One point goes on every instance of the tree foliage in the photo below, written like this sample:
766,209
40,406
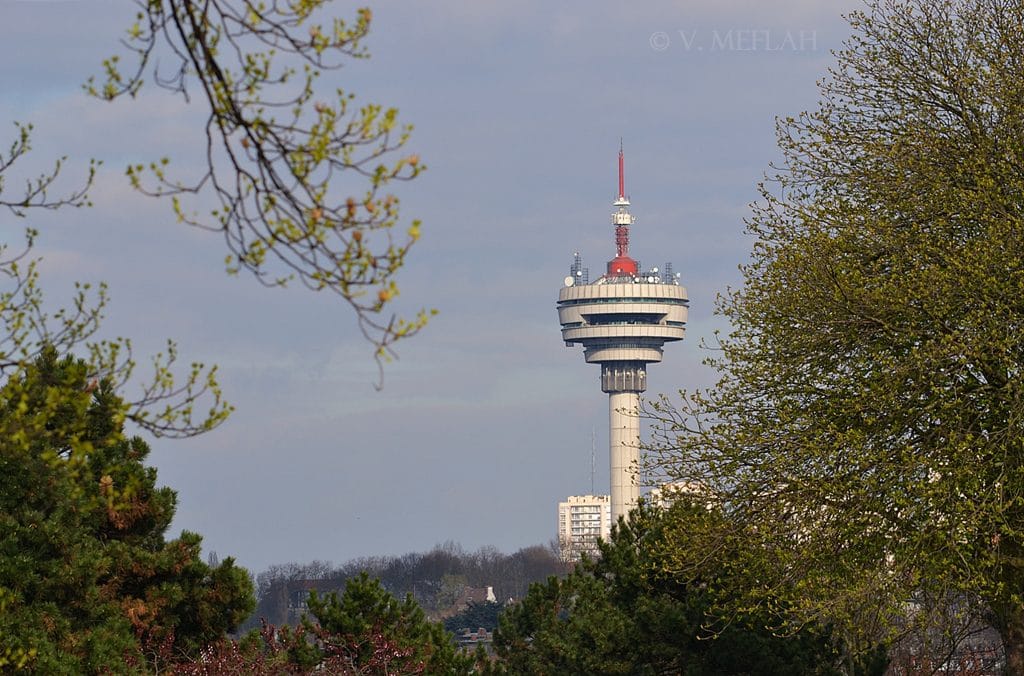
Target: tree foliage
88,582
434,578
868,426
365,630
170,403
364,609
475,616
283,159
623,614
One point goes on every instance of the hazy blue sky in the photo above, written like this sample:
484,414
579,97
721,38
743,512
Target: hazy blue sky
485,422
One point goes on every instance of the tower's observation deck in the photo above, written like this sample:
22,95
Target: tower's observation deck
622,320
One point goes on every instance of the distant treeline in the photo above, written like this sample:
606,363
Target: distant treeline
437,579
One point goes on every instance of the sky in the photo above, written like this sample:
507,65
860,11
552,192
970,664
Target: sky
486,420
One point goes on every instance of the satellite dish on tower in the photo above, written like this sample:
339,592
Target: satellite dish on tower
569,281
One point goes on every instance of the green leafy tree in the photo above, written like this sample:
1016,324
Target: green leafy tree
366,630
171,403
868,426
345,627
450,589
475,616
623,614
281,154
87,580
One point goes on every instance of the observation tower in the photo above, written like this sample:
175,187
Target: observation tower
622,319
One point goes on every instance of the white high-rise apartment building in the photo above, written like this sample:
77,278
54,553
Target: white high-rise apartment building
582,519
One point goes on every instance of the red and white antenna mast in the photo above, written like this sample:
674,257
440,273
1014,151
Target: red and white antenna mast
622,175
622,265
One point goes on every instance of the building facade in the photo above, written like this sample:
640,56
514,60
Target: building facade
582,519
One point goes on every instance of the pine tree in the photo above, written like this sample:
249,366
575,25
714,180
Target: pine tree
88,580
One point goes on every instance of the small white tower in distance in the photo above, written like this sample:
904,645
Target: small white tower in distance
622,320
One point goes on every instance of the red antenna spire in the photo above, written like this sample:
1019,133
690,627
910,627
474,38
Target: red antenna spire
622,173
622,265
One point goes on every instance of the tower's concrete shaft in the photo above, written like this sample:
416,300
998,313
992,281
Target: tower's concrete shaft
623,439
622,325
